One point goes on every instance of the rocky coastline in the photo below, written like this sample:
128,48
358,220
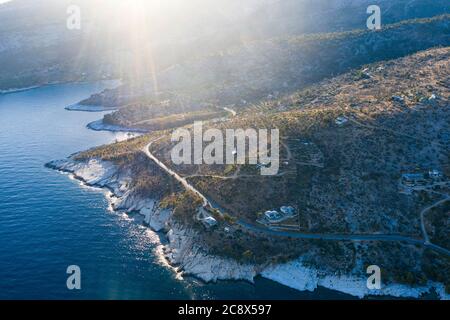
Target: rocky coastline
179,247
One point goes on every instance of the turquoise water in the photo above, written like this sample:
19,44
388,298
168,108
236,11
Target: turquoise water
48,221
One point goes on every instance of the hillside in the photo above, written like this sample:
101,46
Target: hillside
343,179
294,17
277,67
36,47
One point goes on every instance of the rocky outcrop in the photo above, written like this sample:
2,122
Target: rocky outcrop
100,125
93,172
191,259
104,174
88,108
296,275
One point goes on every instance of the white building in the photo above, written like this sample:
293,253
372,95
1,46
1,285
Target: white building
210,222
340,121
272,215
435,174
287,211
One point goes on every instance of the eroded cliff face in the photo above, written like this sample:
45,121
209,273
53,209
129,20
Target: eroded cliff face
182,251
105,174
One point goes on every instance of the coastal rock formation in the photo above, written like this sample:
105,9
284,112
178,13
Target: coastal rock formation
93,172
182,251
295,275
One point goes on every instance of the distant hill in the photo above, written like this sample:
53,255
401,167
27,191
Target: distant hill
36,48
295,17
253,72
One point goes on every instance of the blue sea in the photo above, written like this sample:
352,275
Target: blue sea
49,222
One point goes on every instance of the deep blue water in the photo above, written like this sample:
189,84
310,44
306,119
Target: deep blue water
48,221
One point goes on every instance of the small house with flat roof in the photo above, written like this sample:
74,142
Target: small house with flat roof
210,222
435,174
272,215
287,211
340,121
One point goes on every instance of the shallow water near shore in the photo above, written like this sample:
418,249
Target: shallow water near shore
49,222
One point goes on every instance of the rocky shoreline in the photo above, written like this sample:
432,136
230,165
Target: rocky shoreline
17,90
88,108
181,252
99,125
75,107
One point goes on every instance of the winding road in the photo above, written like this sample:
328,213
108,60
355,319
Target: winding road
422,218
172,173
346,237
318,236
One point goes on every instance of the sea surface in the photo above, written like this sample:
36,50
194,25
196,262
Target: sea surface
49,222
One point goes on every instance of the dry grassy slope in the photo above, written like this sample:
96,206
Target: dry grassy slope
287,62
357,190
